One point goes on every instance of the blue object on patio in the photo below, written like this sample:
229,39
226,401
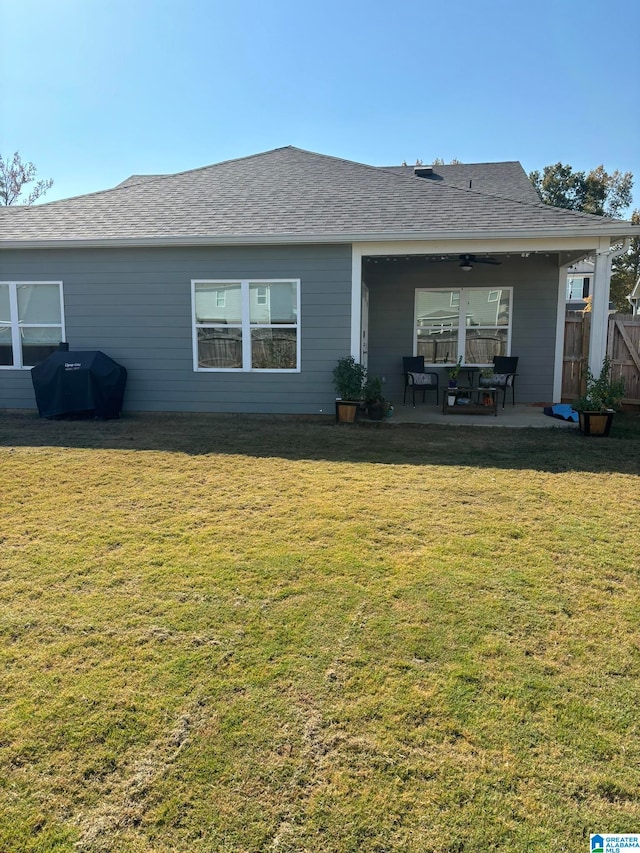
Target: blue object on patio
562,411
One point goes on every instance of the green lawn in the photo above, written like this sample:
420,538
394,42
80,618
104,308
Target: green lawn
228,634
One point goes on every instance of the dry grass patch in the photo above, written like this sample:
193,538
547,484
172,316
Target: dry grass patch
264,635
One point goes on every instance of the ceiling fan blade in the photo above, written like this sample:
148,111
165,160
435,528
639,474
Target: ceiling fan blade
487,261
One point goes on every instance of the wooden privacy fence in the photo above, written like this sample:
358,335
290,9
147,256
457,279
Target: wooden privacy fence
270,348
623,350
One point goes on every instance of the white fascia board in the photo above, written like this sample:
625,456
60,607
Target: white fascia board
561,238
582,245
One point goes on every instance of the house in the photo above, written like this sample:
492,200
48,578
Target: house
579,284
634,299
235,287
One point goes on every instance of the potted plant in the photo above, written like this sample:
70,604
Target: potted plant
454,373
599,402
348,378
374,401
486,382
486,375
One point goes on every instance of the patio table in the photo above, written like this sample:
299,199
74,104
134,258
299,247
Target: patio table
481,401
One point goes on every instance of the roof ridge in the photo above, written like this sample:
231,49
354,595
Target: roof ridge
154,178
448,165
389,181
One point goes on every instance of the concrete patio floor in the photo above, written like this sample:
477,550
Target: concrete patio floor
520,415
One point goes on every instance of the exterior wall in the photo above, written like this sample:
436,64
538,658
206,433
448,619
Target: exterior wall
534,280
135,305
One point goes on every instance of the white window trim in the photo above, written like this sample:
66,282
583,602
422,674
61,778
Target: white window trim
462,317
16,341
245,325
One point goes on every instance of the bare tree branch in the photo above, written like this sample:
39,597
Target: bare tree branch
15,174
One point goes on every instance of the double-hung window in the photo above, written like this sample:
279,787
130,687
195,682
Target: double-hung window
31,321
246,325
472,323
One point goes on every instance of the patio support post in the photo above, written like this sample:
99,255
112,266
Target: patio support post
558,364
356,300
600,303
599,309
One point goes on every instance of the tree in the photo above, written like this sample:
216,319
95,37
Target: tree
438,161
595,192
605,195
14,175
626,270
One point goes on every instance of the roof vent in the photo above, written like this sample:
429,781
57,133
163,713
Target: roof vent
423,171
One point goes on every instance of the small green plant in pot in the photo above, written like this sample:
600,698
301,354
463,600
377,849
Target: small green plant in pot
486,375
348,378
486,381
454,372
374,401
599,402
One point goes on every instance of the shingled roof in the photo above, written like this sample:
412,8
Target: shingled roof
292,195
507,180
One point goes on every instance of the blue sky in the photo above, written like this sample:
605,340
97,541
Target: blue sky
94,90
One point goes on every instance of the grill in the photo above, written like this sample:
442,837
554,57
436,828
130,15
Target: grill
86,383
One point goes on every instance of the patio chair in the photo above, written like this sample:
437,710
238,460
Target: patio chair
504,376
416,378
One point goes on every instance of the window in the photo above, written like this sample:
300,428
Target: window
254,327
578,286
31,321
469,322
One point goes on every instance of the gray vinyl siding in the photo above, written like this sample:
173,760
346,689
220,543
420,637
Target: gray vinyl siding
534,281
135,305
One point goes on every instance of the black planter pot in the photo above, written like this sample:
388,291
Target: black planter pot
376,411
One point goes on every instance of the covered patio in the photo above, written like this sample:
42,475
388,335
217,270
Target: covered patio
473,300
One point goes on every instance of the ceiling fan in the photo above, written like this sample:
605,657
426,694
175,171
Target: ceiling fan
467,261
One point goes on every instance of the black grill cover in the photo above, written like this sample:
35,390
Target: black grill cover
73,383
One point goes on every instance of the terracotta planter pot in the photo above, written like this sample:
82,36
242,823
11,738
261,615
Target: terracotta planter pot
346,411
595,423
